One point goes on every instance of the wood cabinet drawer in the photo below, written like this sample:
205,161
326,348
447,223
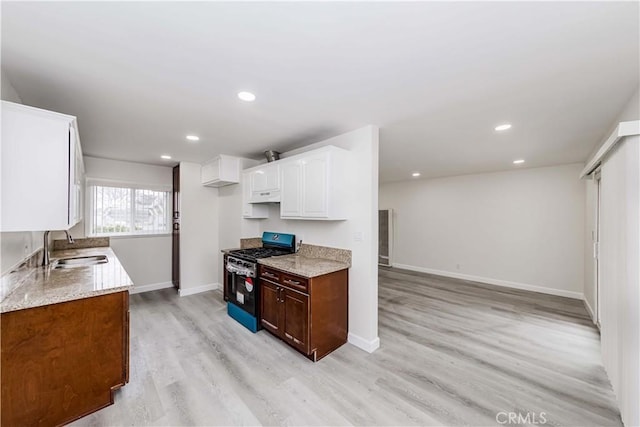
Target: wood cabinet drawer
285,279
269,274
295,282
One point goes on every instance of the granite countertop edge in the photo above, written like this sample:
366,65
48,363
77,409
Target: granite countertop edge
42,287
304,266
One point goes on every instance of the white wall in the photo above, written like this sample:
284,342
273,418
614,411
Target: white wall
620,274
231,226
15,247
521,228
7,91
147,259
363,218
199,237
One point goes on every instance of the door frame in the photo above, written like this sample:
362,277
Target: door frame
596,248
390,237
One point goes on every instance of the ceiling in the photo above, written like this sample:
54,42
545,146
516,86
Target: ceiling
435,77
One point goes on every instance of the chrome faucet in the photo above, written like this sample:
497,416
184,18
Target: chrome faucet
45,247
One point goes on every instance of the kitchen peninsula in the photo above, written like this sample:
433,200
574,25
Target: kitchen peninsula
65,337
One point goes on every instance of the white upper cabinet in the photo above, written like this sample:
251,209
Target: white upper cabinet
42,170
264,181
314,186
220,171
251,210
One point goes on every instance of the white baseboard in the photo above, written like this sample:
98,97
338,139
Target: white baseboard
497,282
151,287
366,345
199,289
590,310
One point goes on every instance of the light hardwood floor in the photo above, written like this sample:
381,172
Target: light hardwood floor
453,353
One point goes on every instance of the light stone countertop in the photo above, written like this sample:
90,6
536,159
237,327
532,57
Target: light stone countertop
45,285
304,266
227,250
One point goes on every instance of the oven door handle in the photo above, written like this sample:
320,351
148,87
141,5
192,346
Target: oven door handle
240,271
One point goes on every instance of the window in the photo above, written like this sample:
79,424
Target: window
127,210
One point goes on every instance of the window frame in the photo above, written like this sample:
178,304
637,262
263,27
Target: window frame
90,183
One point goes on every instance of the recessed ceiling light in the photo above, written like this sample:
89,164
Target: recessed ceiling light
415,174
247,96
193,138
165,157
503,127
518,162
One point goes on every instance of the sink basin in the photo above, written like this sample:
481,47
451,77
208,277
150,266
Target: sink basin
81,261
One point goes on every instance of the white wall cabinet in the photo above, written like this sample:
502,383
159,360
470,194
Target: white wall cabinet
42,170
251,210
220,171
313,185
264,181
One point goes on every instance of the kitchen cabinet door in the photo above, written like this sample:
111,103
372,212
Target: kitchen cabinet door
291,191
270,306
265,184
251,210
295,325
76,202
315,186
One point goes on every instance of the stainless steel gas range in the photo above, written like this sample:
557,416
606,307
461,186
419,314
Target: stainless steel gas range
242,287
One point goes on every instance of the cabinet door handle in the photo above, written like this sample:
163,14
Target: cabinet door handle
277,294
269,275
291,282
265,194
281,292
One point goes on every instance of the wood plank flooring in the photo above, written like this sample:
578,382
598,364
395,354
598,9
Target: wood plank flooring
453,353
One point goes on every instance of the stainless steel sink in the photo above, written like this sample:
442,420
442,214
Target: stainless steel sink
81,261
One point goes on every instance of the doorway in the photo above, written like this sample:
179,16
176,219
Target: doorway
385,236
596,249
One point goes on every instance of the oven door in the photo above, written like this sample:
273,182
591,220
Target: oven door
242,291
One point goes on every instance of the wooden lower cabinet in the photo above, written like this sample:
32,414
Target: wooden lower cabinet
311,315
63,361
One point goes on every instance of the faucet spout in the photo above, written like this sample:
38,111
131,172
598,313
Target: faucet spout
45,249
45,246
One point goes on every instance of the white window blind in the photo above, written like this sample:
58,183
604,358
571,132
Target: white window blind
126,210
